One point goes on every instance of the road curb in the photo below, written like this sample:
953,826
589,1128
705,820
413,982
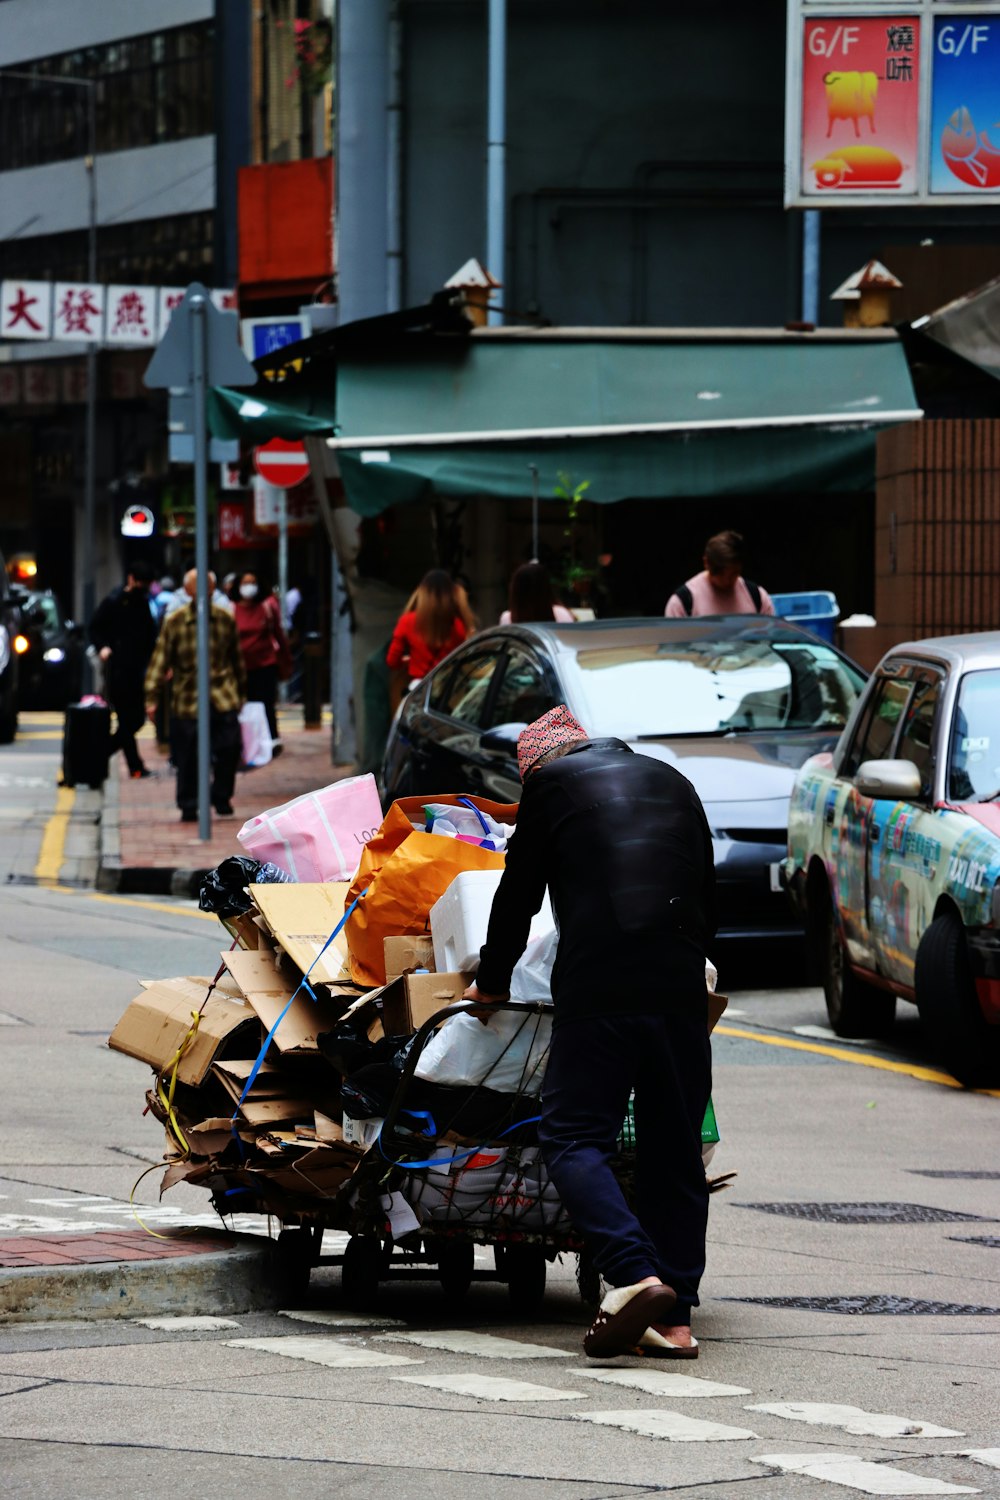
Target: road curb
236,1278
109,852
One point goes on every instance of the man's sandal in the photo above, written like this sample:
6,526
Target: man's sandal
625,1313
654,1345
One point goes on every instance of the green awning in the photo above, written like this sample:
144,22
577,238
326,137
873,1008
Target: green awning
637,413
647,466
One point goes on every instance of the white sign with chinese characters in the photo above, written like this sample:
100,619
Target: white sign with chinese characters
78,314
82,312
131,315
27,310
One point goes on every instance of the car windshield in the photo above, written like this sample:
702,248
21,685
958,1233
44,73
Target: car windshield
725,684
43,609
974,761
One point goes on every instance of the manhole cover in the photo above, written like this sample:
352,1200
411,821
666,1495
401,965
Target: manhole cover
887,1306
957,1176
989,1240
868,1213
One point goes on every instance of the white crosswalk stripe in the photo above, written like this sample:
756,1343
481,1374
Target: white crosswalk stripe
181,1324
674,1426
662,1383
482,1345
332,1319
491,1387
336,1354
853,1419
857,1473
990,1457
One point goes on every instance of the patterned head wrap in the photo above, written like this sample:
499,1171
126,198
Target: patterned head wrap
553,730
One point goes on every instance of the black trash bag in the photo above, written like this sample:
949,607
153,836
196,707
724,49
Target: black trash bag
223,891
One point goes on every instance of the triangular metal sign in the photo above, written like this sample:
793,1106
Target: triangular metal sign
172,366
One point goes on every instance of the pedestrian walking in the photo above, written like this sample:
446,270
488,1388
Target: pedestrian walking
265,647
436,620
123,631
176,655
530,598
622,843
720,588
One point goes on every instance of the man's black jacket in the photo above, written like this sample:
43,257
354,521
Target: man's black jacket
622,843
125,622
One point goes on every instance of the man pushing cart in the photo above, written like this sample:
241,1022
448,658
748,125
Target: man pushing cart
623,845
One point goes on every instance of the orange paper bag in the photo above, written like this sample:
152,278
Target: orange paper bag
404,872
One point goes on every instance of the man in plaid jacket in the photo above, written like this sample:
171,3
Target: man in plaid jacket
176,655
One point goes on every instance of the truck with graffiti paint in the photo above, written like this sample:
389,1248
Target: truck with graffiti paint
894,853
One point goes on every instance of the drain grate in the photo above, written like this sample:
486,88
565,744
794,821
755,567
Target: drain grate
868,1213
874,1305
956,1176
989,1240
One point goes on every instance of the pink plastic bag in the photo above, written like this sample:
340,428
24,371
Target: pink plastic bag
320,835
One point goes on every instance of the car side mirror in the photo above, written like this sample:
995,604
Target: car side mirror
502,739
892,780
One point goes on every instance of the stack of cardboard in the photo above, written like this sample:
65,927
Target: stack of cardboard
281,1141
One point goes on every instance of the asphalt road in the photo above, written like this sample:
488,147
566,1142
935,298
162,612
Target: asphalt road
854,1263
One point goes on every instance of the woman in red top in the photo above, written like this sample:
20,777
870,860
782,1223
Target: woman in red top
264,645
438,621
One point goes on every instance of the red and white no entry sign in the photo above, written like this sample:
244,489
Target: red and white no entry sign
281,463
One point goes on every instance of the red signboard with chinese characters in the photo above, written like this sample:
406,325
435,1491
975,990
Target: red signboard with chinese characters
860,105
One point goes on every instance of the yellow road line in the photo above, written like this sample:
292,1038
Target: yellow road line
150,906
859,1059
50,854
39,734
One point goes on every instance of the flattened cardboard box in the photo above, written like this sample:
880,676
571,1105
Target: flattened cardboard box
157,1021
301,919
268,991
404,954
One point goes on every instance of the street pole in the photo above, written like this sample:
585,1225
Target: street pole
810,265
203,601
282,569
88,583
496,146
90,430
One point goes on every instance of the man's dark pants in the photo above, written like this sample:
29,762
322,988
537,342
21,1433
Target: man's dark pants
593,1066
129,704
225,746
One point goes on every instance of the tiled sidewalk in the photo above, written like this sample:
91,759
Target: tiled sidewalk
33,1251
151,837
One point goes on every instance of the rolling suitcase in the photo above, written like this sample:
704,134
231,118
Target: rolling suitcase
86,744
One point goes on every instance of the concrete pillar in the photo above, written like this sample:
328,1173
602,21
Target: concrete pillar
361,213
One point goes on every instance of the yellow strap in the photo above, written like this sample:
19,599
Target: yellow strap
167,1099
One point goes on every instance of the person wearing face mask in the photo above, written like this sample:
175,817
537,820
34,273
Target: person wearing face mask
123,631
264,645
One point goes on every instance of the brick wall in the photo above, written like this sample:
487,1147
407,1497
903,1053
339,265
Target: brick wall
937,533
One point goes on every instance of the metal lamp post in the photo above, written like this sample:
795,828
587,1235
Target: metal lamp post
90,428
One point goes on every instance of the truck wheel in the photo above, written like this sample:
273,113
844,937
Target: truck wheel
949,1009
361,1272
456,1262
524,1269
854,1008
293,1263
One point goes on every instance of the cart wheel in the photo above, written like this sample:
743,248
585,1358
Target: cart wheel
524,1269
588,1279
293,1263
361,1272
456,1260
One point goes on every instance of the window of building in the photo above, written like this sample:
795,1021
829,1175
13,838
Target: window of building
150,89
150,252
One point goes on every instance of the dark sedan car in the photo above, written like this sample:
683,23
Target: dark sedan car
10,639
737,703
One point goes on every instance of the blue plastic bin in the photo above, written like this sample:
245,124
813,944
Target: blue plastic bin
817,611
